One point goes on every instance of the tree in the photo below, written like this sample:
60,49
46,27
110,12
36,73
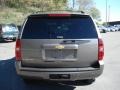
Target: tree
59,4
95,13
85,5
88,7
41,4
2,2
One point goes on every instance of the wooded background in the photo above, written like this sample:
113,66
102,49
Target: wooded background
14,11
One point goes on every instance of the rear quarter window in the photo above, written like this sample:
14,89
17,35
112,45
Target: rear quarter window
59,28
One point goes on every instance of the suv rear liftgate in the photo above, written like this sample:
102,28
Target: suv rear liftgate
59,47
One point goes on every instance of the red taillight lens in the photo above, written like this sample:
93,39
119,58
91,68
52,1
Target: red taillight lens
58,15
100,49
18,50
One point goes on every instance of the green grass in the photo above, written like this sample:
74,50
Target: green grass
15,11
12,15
16,15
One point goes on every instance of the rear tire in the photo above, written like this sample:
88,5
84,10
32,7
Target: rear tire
2,40
86,81
14,39
104,31
89,81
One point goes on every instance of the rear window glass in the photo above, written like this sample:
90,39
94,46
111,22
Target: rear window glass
59,28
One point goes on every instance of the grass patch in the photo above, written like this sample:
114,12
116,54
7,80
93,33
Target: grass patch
15,15
12,15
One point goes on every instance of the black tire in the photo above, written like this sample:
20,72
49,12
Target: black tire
85,81
2,40
89,81
104,31
14,39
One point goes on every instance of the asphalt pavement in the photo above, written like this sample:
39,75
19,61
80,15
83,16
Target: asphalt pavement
109,80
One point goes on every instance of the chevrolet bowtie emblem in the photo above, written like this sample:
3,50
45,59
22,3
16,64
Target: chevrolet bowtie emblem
59,47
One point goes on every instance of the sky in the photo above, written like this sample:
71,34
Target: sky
113,9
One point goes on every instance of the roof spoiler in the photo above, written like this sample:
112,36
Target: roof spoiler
57,11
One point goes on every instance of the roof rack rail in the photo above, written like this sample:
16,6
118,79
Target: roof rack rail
37,12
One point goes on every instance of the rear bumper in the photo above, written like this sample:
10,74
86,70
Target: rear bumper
44,73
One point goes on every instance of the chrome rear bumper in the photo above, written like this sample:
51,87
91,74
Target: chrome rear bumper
74,73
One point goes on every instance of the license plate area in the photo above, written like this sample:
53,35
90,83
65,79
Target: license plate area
59,76
64,54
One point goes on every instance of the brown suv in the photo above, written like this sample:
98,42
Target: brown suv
59,46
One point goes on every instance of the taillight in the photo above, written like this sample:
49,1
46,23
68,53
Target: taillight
58,15
18,50
100,49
